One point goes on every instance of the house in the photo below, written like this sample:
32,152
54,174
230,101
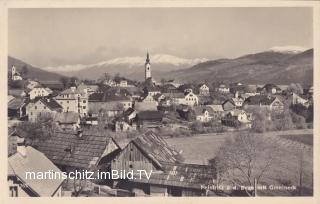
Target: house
228,105
74,99
82,150
203,113
17,108
237,100
159,97
170,177
191,99
28,159
203,90
39,91
68,120
217,112
31,84
271,89
222,88
237,118
301,99
90,89
42,106
126,121
266,102
152,90
149,119
111,103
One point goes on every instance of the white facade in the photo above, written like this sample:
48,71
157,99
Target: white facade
39,92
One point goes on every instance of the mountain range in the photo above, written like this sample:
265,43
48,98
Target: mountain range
280,65
260,68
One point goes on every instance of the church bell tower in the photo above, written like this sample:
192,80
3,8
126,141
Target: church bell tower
147,68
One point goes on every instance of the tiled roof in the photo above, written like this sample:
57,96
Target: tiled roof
174,95
105,97
183,175
50,103
67,117
217,108
150,115
34,161
156,148
259,99
199,110
16,92
67,148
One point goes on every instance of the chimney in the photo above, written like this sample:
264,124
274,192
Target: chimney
22,150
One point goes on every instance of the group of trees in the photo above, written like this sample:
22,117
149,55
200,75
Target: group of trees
42,128
264,120
248,160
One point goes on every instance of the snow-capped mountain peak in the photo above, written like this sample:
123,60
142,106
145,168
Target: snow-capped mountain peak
131,62
288,49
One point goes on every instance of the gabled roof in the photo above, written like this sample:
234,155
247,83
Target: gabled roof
16,92
34,161
156,148
67,148
15,103
105,97
67,117
216,108
50,103
199,110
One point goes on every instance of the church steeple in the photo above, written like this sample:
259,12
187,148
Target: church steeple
148,59
147,67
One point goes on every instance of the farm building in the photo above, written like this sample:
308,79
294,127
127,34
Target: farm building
169,177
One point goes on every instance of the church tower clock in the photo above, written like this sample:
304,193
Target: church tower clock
147,68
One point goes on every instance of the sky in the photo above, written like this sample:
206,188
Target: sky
54,37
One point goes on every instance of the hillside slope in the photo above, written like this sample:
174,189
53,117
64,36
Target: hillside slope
260,68
33,72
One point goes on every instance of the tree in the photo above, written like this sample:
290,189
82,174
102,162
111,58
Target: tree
245,160
64,81
25,71
42,128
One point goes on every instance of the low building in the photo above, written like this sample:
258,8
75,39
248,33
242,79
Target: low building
301,99
150,119
112,104
170,177
223,88
42,107
217,112
68,120
265,102
237,118
203,113
203,90
228,105
17,108
21,184
270,89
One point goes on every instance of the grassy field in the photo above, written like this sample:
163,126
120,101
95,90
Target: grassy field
296,151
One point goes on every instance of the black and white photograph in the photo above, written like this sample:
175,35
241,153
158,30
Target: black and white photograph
160,102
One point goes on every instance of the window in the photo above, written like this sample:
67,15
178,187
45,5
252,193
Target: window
84,107
35,107
44,107
84,101
67,101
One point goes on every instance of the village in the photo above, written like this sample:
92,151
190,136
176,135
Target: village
115,123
